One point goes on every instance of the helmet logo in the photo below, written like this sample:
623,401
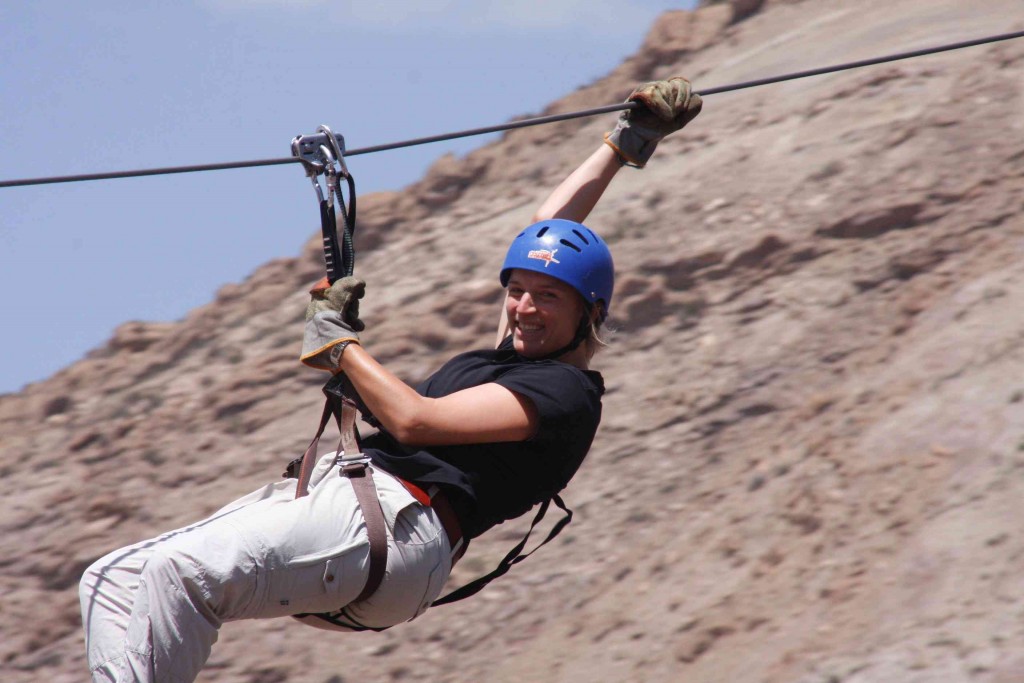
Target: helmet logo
548,257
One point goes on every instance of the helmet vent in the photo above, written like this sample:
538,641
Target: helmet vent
580,235
541,232
570,245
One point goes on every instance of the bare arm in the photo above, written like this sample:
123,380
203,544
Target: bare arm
579,193
484,414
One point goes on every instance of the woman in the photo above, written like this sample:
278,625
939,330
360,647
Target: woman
481,441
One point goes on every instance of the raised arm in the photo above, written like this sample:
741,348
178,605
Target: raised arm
666,107
577,195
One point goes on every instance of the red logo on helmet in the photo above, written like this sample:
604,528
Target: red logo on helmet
548,257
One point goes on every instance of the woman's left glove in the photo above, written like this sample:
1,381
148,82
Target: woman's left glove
665,107
332,322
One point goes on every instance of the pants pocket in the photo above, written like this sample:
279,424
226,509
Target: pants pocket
435,583
424,540
320,582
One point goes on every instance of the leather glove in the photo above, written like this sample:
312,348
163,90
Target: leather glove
332,322
343,296
666,106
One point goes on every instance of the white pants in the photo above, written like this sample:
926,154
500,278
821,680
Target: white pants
151,611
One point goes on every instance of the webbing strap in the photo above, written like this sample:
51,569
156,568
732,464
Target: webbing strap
333,257
347,425
361,476
345,414
348,220
339,257
309,457
356,467
514,556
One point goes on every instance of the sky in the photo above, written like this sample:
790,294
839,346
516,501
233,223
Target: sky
106,86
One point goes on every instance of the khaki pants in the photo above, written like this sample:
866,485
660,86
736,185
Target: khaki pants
151,611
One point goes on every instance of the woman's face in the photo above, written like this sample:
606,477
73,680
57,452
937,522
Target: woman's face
543,312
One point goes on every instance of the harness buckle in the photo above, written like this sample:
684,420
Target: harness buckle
354,465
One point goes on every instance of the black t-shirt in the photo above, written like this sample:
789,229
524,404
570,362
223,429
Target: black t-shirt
490,483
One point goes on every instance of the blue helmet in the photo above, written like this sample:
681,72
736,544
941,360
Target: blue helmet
567,251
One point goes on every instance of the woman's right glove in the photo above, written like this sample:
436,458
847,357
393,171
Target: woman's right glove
666,106
332,322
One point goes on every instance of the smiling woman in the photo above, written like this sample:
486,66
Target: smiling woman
367,538
556,303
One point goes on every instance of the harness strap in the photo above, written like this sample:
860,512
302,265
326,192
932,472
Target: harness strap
333,257
361,476
514,556
339,257
306,463
356,467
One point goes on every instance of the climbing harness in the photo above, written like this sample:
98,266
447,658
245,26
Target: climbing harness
354,465
323,154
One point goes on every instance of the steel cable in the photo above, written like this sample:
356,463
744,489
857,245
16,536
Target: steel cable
513,124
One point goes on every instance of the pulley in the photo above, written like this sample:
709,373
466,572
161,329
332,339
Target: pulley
323,155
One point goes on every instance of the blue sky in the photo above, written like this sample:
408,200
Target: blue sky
100,86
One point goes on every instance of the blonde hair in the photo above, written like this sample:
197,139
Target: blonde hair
593,341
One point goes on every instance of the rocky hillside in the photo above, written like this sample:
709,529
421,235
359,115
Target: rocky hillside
813,448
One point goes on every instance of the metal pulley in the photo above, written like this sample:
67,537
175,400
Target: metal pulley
323,155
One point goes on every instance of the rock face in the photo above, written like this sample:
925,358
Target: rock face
812,462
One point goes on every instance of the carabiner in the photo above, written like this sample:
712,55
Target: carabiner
323,154
337,148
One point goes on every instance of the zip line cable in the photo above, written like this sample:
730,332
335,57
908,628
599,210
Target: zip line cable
514,124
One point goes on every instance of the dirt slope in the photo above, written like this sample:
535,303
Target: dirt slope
811,467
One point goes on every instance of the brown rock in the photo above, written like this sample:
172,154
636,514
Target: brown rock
809,466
